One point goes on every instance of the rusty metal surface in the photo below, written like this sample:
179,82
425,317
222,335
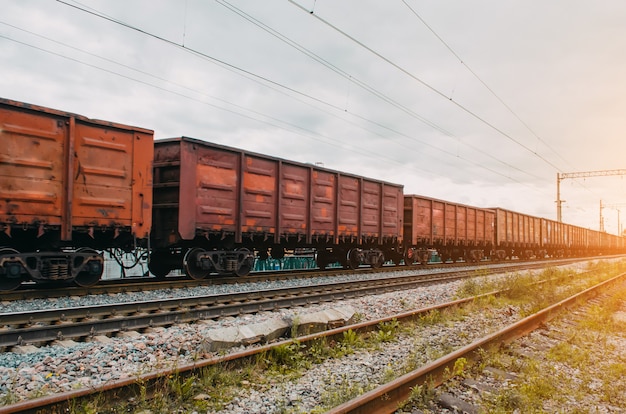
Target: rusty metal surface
432,221
227,190
65,171
323,203
517,228
32,160
513,228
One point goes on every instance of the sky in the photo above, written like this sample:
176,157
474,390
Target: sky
480,103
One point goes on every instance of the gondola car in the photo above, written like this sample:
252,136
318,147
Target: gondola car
456,231
70,187
215,206
517,235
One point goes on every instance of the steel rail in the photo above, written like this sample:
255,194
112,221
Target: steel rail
40,327
111,310
44,326
130,387
139,284
385,398
59,324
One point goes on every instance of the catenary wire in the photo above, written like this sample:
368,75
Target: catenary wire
425,84
238,106
246,72
292,127
353,79
473,73
502,102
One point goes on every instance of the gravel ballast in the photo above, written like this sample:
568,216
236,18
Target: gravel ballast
54,369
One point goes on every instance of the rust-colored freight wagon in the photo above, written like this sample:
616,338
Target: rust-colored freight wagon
609,243
594,247
219,207
577,240
617,244
566,240
68,185
553,238
456,231
518,235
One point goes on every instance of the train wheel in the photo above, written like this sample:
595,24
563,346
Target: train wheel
13,278
158,268
409,256
245,262
396,257
278,253
190,262
354,261
92,275
378,261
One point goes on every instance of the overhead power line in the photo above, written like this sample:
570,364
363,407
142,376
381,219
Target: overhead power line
293,128
422,82
248,73
371,90
330,65
470,70
585,174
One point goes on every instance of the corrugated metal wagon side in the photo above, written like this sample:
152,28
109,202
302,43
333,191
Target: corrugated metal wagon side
455,231
554,238
518,235
577,241
574,241
69,186
593,241
608,243
220,207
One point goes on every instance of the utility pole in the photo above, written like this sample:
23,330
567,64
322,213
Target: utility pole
615,207
563,176
601,218
559,202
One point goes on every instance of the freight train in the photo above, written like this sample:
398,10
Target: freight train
73,187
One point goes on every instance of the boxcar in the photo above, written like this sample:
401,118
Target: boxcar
566,240
608,243
554,240
68,185
456,231
219,207
577,240
517,235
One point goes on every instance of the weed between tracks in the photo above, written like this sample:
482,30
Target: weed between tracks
583,372
216,387
536,291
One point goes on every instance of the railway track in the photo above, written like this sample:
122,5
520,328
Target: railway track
142,284
184,370
44,326
564,348
387,398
